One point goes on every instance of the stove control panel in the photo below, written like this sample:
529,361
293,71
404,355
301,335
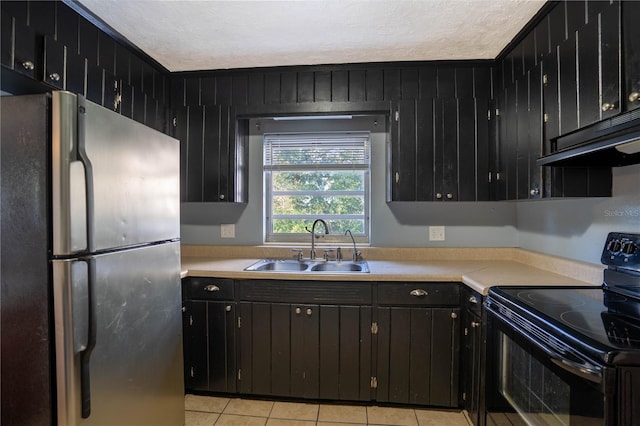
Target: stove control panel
622,250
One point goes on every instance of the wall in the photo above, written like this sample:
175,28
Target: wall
577,228
468,224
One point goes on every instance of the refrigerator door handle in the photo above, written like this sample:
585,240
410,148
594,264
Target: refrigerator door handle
88,173
85,355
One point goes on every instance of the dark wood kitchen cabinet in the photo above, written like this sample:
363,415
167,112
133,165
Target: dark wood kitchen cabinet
305,339
631,43
418,344
473,356
209,334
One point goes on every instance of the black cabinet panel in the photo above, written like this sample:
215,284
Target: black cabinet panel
126,99
256,89
240,90
224,90
192,92
631,43
76,71
42,17
357,86
221,334
424,150
271,88
339,86
207,90
323,86
281,344
610,34
446,149
392,88
428,83
543,48
288,87
305,87
94,83
403,164
535,134
588,66
446,84
194,150
24,44
464,83
139,106
375,85
557,26
522,139
467,150
53,72
67,27
6,40
88,41
195,345
576,14
211,153
568,85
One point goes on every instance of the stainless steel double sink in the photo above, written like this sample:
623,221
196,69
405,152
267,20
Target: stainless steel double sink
309,266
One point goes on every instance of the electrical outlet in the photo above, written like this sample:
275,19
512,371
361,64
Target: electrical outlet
227,230
436,233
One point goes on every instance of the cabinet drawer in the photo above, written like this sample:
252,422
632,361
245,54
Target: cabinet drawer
427,294
319,292
207,288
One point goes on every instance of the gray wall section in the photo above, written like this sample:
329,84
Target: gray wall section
577,228
483,224
571,228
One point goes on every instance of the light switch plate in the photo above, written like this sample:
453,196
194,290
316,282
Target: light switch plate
227,230
436,233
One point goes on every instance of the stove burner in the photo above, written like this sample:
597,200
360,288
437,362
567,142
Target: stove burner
584,321
541,299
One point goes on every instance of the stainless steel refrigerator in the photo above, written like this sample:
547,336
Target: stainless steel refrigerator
90,267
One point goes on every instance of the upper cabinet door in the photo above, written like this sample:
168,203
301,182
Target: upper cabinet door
631,31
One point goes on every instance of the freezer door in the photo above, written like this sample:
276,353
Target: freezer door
116,182
118,328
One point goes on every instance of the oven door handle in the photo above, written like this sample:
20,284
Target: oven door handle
586,371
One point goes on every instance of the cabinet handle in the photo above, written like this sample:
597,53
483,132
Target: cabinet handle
608,107
298,311
634,96
54,76
475,324
28,65
228,308
438,195
309,312
418,292
473,300
212,287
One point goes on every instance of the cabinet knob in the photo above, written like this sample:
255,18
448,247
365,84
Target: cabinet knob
221,196
28,65
212,287
228,308
608,107
438,196
634,96
309,312
535,191
454,315
449,196
475,324
418,292
473,300
397,177
184,309
54,76
298,311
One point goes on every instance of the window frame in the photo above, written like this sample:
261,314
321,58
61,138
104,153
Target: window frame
360,238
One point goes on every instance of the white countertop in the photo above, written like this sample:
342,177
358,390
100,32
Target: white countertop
477,273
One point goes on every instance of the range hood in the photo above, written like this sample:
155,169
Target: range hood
611,142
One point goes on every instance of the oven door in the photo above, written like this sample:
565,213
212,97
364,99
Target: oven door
531,384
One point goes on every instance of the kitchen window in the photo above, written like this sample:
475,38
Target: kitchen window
312,176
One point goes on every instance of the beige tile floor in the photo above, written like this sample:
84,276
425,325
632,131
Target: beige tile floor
208,411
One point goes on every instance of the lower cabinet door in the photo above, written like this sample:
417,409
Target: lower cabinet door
418,356
209,346
305,350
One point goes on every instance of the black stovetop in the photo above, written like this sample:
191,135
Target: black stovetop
578,311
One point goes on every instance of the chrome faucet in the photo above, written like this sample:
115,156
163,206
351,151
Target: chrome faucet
357,256
312,255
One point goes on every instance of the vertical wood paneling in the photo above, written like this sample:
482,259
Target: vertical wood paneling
67,27
557,26
464,82
339,86
122,63
195,149
181,132
42,17
192,91
522,147
272,88
568,83
261,326
322,86
399,355
224,89
446,84
107,52
443,364
588,73
357,86
211,153
576,13
610,58
529,58
467,144
424,161
227,157
256,89
543,47
349,353
240,89
374,85
280,349
330,329
420,356
207,90
305,86
288,87
428,78
391,81
410,83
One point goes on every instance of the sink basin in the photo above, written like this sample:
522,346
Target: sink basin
308,267
278,265
340,267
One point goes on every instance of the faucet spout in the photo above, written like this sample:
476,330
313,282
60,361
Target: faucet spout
356,254
312,255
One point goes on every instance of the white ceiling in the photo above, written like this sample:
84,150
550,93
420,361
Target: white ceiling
186,35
